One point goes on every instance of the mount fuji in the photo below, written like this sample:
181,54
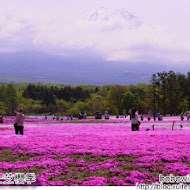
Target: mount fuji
113,18
103,33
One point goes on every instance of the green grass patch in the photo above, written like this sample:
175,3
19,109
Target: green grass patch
90,158
36,170
125,158
7,156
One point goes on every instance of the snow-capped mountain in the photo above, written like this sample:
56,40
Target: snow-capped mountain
115,18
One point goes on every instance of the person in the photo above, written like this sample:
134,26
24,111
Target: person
142,117
106,115
182,118
1,118
85,115
149,117
158,115
134,120
80,116
53,116
19,121
154,116
188,115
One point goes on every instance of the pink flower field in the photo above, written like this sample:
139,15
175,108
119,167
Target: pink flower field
100,153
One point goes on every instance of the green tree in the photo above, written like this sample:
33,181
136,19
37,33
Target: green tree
129,101
2,108
73,111
11,100
115,97
172,91
183,105
62,106
163,93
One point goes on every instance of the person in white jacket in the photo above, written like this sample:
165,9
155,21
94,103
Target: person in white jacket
19,121
134,120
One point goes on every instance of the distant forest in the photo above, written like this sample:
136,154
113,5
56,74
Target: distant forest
167,93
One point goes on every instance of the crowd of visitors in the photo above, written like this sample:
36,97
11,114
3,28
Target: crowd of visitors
134,118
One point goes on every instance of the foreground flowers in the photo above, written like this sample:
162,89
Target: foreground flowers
95,154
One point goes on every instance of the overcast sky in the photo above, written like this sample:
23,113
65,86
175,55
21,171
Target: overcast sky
56,26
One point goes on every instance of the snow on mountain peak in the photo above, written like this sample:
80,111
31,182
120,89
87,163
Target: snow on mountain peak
113,17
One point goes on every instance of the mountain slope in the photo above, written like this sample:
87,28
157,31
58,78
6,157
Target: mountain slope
40,67
113,18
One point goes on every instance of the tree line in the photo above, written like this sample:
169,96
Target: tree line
170,92
49,95
167,93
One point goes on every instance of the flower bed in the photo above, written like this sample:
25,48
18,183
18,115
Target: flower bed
96,154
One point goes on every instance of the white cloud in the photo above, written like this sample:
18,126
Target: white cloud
56,30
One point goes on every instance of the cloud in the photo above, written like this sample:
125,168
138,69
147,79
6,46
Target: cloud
16,33
110,34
